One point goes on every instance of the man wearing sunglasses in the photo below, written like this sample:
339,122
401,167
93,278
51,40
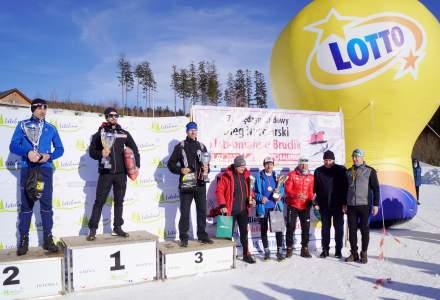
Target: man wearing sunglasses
36,163
115,176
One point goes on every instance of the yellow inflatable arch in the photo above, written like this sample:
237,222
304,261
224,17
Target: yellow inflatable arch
376,61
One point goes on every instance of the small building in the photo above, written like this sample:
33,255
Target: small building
14,97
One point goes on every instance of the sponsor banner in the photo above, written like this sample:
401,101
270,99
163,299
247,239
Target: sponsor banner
152,201
149,200
286,135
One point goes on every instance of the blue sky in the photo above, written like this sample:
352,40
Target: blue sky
69,49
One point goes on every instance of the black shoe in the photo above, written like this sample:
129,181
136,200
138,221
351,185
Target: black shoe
305,252
249,259
353,257
23,246
324,254
363,257
117,231
266,254
338,254
184,243
418,203
49,245
280,255
206,240
92,235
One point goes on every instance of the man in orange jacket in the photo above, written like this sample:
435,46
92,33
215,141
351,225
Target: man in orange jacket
299,193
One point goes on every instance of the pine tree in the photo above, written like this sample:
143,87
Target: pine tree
260,90
125,78
144,78
203,82
151,84
193,83
138,75
174,85
183,87
121,75
229,96
129,81
213,92
240,89
249,98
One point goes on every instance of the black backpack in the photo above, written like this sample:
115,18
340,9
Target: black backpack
34,184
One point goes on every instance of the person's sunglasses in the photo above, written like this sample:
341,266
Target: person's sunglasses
39,105
114,116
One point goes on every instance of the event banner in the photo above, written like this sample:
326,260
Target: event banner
256,133
286,135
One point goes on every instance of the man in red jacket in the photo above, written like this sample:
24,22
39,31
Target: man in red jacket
299,193
232,195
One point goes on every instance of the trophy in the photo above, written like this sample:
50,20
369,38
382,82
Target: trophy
205,158
251,188
33,131
280,180
107,140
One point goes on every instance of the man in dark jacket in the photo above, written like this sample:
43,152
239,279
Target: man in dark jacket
362,186
112,173
330,187
186,162
37,163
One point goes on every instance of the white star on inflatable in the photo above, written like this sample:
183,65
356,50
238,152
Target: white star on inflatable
410,64
332,24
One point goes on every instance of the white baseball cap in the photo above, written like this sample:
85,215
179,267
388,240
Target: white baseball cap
268,159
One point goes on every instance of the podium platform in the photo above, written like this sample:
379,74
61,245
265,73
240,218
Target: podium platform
176,261
110,260
36,274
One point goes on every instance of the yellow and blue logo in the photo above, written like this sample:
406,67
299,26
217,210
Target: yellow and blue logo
8,122
351,50
165,127
8,206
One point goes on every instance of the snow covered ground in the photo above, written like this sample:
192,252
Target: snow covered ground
413,267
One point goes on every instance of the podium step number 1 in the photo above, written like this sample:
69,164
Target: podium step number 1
36,274
110,261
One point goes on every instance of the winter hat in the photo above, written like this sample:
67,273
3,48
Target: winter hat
329,155
36,103
239,161
358,152
109,110
268,159
191,125
303,160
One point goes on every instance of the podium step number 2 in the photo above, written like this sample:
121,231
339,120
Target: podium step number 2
33,275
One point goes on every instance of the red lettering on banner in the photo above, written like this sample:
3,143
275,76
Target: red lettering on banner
289,145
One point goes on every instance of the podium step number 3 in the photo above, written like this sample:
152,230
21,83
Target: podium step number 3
196,258
33,275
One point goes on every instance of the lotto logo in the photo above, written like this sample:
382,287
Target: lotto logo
350,50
